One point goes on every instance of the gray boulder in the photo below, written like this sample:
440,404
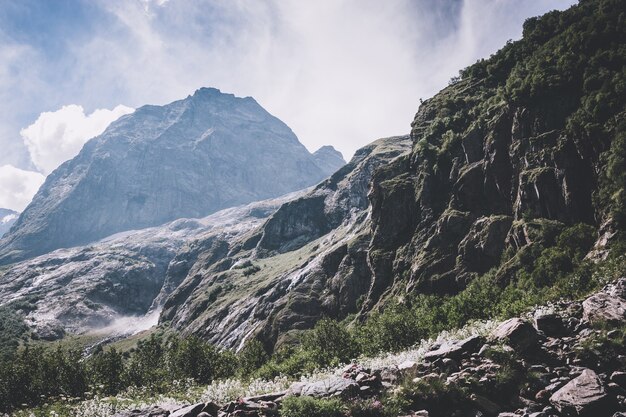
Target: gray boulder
517,333
550,324
604,307
454,349
582,396
330,387
189,411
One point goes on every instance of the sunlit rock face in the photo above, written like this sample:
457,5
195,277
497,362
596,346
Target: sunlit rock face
189,158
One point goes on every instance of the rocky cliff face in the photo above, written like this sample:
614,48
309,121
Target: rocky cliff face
502,153
7,218
189,158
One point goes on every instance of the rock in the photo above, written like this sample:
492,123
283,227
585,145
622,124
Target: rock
550,324
619,378
603,307
189,411
274,396
389,374
211,409
543,396
408,368
330,387
153,411
485,404
449,366
517,333
454,349
583,396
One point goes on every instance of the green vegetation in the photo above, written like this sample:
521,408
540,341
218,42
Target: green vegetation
602,349
311,407
34,375
570,68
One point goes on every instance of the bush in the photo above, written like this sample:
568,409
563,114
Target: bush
430,394
330,344
310,407
252,357
106,368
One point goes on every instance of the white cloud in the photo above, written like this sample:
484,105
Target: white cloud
340,72
18,186
58,136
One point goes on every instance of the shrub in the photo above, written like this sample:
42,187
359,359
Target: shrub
252,357
329,343
106,368
310,407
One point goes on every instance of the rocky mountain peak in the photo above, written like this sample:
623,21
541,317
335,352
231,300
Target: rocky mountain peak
188,158
328,157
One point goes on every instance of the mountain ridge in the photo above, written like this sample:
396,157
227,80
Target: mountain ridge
186,159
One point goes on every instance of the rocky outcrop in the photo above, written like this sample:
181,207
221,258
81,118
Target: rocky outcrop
480,175
7,218
186,159
605,307
517,333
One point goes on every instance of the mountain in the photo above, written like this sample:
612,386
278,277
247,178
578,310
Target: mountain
248,253
189,158
328,158
119,279
7,218
306,261
515,178
512,175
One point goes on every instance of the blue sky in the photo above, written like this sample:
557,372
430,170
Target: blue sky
339,72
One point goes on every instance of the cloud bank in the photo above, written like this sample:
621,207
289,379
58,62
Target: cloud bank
339,72
58,136
18,187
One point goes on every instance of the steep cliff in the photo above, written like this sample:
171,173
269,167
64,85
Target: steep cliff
189,158
530,140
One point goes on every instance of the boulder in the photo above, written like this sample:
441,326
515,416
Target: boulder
485,404
454,349
603,307
619,378
330,387
189,411
517,333
550,324
583,396
153,411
